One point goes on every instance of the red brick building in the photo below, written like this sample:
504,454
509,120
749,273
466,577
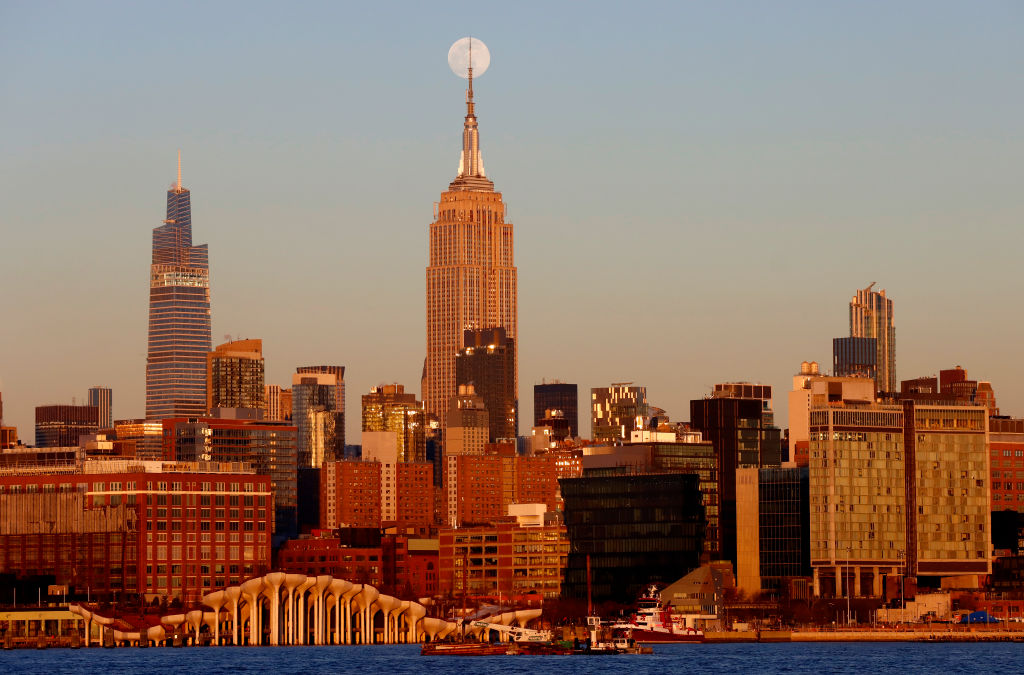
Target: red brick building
503,562
1006,440
352,495
161,530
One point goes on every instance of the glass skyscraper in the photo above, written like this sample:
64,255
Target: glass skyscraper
179,315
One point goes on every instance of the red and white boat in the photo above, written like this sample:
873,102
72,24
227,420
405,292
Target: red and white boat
651,623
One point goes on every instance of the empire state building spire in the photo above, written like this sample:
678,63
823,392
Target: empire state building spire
471,164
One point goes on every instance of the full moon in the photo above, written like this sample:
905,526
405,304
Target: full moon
458,57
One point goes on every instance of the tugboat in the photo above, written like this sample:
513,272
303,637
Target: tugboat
653,624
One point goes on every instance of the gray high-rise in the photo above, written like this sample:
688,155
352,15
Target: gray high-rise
179,314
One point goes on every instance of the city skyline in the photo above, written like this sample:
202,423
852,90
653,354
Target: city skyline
930,145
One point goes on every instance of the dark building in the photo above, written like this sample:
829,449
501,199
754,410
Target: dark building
854,357
773,514
662,457
268,448
635,528
179,314
556,404
739,422
60,426
488,362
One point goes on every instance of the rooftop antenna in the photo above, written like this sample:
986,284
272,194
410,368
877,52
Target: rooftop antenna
179,169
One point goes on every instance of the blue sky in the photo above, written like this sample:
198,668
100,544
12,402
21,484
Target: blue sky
697,189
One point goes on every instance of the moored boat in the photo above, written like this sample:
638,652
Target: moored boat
651,623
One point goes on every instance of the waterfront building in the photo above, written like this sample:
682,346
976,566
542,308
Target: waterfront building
61,425
157,529
267,447
488,362
179,314
617,410
693,456
773,528
471,276
635,529
556,404
812,388
350,494
739,421
505,561
234,376
389,408
103,399
898,490
871,316
318,412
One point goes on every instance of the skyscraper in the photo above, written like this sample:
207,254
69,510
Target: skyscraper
488,362
318,412
103,399
471,278
179,314
234,375
61,425
871,317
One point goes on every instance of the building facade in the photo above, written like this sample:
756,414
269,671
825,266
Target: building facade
897,491
871,316
147,528
773,528
503,561
234,376
617,410
61,425
471,277
389,408
488,362
179,314
103,399
318,412
268,448
739,421
1006,437
635,529
557,401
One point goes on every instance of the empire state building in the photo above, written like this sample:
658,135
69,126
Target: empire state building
471,278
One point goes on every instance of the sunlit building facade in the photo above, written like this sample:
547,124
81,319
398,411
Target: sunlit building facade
871,316
471,277
318,412
234,375
389,408
179,315
617,410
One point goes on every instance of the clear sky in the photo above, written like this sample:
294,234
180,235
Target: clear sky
697,188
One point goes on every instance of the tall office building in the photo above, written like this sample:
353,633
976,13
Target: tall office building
557,400
389,408
488,362
617,410
103,399
471,278
871,317
179,314
739,421
278,402
318,412
234,375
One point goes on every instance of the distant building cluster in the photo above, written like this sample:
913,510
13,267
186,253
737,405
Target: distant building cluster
871,484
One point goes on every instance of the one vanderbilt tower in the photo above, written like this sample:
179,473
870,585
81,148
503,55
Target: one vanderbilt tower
179,314
471,278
